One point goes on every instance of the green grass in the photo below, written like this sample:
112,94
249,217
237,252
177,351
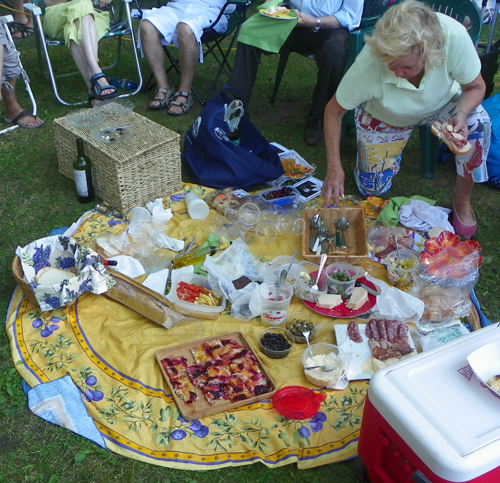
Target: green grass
34,198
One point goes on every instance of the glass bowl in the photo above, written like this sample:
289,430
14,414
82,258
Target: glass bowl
84,118
270,340
114,107
296,323
321,355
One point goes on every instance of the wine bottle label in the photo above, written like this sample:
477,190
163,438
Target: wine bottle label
82,188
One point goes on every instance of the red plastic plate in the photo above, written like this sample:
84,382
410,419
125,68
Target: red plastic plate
341,311
297,402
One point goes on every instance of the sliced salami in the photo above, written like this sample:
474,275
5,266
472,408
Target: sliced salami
402,329
381,329
353,332
368,331
391,327
374,330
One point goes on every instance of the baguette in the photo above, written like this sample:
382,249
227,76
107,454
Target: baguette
455,141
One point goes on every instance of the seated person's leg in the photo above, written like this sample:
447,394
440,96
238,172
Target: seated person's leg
154,52
379,153
244,72
10,69
85,57
22,27
188,59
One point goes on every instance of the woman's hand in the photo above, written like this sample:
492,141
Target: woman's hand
333,186
459,123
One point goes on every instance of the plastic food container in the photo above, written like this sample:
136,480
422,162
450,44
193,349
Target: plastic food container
341,278
298,322
273,333
306,279
195,310
399,270
321,355
274,309
274,268
283,200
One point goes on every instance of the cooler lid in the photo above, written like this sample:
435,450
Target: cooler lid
441,410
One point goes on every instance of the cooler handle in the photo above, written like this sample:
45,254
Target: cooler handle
418,477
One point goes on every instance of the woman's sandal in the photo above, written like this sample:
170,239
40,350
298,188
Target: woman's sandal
164,101
15,27
24,33
185,106
97,88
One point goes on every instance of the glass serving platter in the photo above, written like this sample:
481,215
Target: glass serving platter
114,107
112,133
84,118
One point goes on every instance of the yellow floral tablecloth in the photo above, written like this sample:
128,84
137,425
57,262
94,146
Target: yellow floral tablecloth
109,350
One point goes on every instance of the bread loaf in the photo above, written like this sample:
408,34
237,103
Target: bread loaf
52,276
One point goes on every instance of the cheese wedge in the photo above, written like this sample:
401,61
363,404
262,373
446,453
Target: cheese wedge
329,301
358,298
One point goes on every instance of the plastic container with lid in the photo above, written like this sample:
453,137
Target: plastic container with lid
341,278
431,414
307,278
287,201
195,310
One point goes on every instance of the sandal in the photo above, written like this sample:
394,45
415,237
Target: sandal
97,88
164,101
91,98
15,27
24,33
185,106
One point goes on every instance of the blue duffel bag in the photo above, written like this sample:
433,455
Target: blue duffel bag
492,106
217,161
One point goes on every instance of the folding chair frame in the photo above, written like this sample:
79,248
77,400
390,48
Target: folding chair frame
3,24
42,44
212,42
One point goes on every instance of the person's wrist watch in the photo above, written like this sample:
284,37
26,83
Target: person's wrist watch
318,26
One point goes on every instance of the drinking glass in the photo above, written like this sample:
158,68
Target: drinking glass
377,237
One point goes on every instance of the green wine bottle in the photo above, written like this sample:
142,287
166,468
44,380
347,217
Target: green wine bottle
82,171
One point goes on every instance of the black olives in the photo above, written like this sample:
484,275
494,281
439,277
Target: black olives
276,343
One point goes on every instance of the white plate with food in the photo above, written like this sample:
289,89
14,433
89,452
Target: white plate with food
485,363
362,365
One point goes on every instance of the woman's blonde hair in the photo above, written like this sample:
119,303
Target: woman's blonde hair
405,26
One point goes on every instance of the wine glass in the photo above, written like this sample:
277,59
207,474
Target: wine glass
377,237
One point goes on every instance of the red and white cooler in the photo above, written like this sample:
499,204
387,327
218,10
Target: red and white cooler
430,414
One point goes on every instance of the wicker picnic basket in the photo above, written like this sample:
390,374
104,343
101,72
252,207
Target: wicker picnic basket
18,273
355,235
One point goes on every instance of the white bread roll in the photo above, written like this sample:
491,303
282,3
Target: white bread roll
52,276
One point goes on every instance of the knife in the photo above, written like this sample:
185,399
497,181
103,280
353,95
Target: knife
368,289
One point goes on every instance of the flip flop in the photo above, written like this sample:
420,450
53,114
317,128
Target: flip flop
17,120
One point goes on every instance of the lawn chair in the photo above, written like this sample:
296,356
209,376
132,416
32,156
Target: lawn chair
3,24
118,29
213,44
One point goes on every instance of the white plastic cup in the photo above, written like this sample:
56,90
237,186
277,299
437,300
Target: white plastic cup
138,214
197,208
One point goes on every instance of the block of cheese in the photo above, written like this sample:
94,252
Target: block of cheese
358,298
328,301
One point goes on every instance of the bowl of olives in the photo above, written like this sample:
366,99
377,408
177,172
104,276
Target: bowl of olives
299,322
341,278
276,342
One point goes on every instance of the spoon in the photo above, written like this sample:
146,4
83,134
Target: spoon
343,225
325,368
281,282
322,262
313,225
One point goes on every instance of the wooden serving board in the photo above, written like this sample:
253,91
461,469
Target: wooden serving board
201,408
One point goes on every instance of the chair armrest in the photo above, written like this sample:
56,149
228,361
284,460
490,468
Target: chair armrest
33,8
